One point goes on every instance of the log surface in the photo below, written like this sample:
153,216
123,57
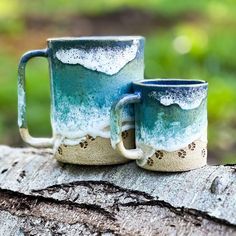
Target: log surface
40,196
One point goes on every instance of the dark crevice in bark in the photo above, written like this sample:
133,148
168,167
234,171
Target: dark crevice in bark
35,225
43,152
20,202
112,188
233,165
189,215
181,211
150,200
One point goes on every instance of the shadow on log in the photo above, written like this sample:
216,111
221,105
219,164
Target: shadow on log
40,196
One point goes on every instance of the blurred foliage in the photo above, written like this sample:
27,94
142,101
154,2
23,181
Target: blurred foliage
195,40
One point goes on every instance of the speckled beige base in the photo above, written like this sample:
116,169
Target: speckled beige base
192,157
96,151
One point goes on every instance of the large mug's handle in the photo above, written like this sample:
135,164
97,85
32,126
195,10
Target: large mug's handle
116,126
22,122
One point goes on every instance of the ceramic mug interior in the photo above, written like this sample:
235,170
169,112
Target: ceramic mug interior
171,82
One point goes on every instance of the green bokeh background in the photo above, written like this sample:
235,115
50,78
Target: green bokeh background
185,39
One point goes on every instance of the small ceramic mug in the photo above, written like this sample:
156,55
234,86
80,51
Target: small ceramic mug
86,75
170,124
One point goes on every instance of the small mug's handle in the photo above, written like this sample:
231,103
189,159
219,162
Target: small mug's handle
22,122
116,126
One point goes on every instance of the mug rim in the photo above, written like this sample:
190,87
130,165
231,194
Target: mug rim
195,83
98,38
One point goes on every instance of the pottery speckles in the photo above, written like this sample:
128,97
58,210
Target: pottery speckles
86,75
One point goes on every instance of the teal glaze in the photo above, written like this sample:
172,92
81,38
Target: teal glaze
170,127
169,114
83,92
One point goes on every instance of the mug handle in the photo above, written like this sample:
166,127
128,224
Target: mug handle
22,121
116,126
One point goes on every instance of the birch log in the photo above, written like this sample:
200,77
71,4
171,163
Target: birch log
40,196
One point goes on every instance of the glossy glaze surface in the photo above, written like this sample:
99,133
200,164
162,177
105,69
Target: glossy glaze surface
84,85
171,114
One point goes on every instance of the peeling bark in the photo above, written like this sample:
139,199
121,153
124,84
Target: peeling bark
39,196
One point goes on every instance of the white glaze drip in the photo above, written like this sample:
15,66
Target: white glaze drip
21,104
82,121
108,60
187,99
171,142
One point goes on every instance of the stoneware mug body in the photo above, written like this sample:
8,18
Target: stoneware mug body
170,124
86,75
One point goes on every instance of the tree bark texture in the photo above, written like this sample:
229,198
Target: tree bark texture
40,196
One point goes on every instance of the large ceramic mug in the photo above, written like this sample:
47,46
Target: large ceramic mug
170,124
86,75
